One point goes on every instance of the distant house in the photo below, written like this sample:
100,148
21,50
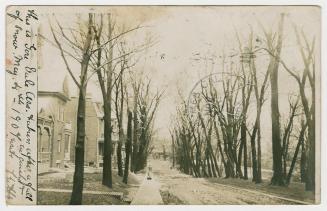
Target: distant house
94,136
57,117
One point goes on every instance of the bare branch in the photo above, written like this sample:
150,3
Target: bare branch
63,56
116,37
66,38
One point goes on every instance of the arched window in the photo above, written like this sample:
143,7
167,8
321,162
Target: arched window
45,144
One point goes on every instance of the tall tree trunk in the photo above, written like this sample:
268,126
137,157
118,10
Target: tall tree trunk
128,146
259,95
120,116
278,177
135,136
245,158
119,159
106,94
246,95
239,160
194,170
214,160
213,167
208,164
198,160
107,149
311,173
310,176
119,147
303,163
254,153
300,141
142,150
77,193
284,164
220,148
259,177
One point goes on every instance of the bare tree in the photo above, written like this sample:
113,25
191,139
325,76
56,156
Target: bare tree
297,149
247,59
221,115
105,79
128,145
119,107
106,63
146,108
278,177
287,132
308,74
83,48
259,93
136,89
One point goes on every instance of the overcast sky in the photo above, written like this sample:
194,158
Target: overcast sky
183,32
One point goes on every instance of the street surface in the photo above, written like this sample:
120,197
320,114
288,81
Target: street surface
199,191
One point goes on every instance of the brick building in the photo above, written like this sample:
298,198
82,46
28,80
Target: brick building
57,113
94,136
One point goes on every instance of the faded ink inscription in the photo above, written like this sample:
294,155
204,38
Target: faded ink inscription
21,106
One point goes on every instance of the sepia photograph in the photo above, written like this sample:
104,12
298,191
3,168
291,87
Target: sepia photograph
163,105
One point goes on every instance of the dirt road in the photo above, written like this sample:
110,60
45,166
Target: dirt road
197,191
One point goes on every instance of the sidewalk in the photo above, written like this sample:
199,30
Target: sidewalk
148,193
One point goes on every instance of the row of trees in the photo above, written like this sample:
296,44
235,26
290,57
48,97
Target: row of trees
215,126
98,44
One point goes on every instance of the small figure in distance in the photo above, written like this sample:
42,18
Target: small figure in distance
149,173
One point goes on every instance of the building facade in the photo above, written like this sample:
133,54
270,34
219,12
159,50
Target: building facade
54,128
57,118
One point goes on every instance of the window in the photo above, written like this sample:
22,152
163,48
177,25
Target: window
45,140
101,149
67,142
59,145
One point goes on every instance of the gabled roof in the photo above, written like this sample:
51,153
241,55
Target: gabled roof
60,95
